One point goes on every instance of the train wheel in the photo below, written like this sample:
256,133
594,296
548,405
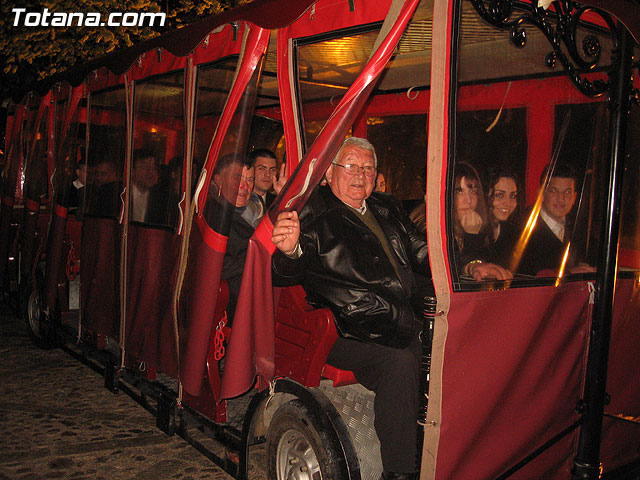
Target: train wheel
38,324
296,449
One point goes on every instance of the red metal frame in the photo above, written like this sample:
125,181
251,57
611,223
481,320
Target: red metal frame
256,357
194,349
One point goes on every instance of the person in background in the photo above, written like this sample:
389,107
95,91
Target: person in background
236,178
476,262
144,176
77,190
104,172
104,189
381,183
81,175
265,164
267,185
471,227
163,209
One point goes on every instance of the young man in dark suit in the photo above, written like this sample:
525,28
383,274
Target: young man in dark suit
266,170
554,226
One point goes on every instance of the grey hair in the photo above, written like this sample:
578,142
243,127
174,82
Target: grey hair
361,143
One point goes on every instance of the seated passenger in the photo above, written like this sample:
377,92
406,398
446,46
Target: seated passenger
381,183
244,219
418,214
265,164
470,227
355,252
554,225
104,189
104,172
231,173
144,176
503,201
165,195
76,191
267,184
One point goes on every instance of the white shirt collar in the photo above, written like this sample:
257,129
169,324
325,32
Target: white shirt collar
362,210
556,227
139,207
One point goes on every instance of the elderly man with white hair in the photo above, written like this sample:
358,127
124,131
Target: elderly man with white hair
357,253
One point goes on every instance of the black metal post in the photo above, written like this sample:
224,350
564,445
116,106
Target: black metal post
586,465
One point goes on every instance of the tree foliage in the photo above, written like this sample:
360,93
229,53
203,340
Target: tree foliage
28,54
184,12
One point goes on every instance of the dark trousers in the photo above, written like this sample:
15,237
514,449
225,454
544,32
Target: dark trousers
394,375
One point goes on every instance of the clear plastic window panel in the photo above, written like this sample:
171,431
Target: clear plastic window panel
106,153
158,153
229,173
629,243
325,71
401,148
327,68
36,171
70,157
214,82
524,189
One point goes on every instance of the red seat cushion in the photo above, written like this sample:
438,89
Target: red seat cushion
304,337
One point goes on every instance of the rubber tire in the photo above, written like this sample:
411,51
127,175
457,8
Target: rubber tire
38,324
296,450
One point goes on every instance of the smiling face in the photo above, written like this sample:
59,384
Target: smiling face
466,196
228,181
235,182
559,197
245,187
504,199
352,189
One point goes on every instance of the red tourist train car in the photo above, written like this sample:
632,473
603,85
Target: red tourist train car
531,378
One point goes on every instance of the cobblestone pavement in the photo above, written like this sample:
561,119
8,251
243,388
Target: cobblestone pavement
59,422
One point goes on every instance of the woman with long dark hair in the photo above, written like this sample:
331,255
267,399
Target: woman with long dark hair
470,219
503,200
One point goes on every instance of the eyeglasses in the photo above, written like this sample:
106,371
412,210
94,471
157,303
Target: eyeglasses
353,169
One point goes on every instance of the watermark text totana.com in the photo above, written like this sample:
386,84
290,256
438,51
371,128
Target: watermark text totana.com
46,18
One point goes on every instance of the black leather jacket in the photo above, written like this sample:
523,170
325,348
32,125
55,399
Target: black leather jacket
344,267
